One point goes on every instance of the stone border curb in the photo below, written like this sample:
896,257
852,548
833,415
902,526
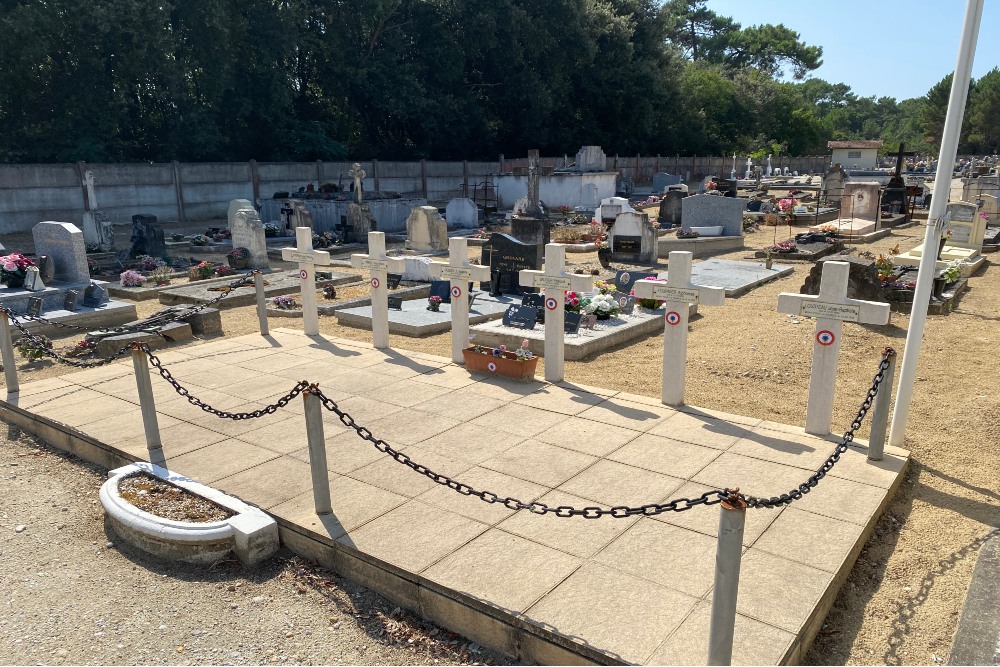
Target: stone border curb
977,639
250,533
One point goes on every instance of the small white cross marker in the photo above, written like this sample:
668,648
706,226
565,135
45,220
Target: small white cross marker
460,272
379,264
677,292
307,259
556,281
831,308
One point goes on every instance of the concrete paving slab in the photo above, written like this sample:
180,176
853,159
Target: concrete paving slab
537,587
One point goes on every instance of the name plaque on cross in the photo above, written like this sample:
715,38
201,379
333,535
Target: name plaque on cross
455,273
374,264
552,282
300,257
676,294
830,311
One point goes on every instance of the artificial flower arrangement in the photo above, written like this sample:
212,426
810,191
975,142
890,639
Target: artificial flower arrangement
161,275
14,267
686,234
784,247
481,233
434,303
201,271
521,354
575,302
222,270
602,305
285,302
271,229
199,240
132,278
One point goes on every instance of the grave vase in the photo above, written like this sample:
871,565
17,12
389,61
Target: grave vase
604,256
939,285
14,280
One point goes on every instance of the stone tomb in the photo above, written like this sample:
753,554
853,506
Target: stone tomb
718,221
63,242
859,210
591,158
965,245
662,180
736,277
506,256
632,239
609,209
833,183
462,212
426,230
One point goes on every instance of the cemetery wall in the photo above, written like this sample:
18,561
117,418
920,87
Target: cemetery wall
31,193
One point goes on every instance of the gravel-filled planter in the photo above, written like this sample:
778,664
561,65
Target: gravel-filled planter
250,533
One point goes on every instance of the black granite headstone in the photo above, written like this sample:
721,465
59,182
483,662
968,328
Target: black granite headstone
392,280
95,296
670,207
571,322
70,302
533,231
147,237
34,306
395,303
441,288
520,317
505,256
625,279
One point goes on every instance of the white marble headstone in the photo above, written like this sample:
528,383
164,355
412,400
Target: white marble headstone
462,212
234,206
248,232
426,230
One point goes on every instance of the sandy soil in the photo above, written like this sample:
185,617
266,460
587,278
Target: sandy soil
901,602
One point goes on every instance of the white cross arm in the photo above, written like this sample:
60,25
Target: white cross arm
320,257
847,310
470,272
565,281
390,264
700,294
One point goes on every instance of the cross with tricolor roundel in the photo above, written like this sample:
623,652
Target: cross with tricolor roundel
307,259
556,281
678,292
831,308
460,272
379,264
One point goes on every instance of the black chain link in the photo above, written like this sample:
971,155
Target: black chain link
132,328
222,414
39,344
711,497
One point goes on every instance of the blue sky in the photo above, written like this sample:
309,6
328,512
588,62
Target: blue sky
864,40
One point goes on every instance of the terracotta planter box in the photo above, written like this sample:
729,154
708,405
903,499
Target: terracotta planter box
506,366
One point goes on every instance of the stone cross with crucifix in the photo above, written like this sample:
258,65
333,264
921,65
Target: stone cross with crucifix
831,308
358,174
677,293
307,259
460,272
379,264
556,281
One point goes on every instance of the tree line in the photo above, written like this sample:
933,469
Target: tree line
221,80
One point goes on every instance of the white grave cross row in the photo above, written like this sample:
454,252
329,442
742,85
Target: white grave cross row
556,281
831,308
677,292
307,259
379,264
460,272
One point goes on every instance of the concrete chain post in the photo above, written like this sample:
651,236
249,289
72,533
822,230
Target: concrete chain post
727,580
7,352
148,408
317,452
258,283
880,413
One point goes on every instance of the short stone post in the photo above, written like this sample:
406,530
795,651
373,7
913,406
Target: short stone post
678,292
258,283
727,580
147,406
460,272
556,281
831,308
317,452
880,412
7,352
307,259
379,264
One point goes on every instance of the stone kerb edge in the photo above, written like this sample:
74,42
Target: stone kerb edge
250,533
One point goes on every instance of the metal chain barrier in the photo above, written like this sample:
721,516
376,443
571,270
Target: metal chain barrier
222,414
247,279
710,497
38,344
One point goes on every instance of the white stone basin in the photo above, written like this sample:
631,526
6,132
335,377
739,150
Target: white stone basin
714,230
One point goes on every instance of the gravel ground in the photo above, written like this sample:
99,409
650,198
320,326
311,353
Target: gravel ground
900,604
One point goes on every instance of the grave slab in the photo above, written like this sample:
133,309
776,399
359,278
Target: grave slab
808,251
279,283
111,314
426,549
736,277
415,320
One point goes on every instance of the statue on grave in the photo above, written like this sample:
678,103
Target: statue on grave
358,174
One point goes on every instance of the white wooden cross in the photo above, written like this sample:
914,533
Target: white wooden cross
556,281
678,292
308,259
379,264
831,308
459,271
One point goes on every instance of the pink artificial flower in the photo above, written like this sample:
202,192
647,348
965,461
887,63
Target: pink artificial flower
524,343
10,266
503,348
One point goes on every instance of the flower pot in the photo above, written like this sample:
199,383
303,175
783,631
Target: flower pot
13,280
602,316
238,262
939,285
434,307
506,365
604,256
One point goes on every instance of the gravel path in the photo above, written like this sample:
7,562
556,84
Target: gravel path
900,604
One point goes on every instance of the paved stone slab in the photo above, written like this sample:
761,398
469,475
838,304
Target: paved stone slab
415,320
278,283
736,277
541,588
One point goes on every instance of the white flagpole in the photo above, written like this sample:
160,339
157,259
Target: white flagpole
942,190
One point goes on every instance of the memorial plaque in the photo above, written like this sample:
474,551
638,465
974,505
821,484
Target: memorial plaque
830,311
70,302
626,302
392,280
395,303
95,296
370,264
962,213
625,279
628,244
675,294
520,317
552,282
455,273
34,306
536,301
959,234
571,322
588,321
